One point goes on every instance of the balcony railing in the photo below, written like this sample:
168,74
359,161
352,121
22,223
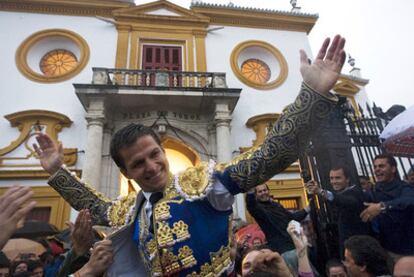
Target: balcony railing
158,78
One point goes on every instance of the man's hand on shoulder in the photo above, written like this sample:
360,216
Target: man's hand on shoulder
372,210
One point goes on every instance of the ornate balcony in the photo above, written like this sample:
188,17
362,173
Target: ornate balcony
125,89
158,78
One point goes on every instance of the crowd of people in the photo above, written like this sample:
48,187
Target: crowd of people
181,225
375,223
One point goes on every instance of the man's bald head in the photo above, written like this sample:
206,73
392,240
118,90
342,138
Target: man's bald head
404,267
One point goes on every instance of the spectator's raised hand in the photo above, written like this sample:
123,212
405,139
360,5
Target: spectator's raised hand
322,74
265,260
100,260
81,233
301,244
49,152
13,208
299,239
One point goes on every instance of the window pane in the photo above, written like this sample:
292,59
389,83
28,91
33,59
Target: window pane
175,56
148,55
39,213
157,55
167,55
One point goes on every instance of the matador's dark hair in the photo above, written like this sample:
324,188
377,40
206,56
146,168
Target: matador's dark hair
127,136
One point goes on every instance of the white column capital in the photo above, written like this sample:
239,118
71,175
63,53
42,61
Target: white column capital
95,120
222,117
96,111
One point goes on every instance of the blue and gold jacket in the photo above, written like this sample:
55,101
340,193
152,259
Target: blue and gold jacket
191,238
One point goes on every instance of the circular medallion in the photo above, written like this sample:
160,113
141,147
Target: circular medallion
256,71
259,64
58,62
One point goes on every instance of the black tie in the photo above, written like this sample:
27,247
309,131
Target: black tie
154,198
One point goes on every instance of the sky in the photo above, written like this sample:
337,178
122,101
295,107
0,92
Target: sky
378,33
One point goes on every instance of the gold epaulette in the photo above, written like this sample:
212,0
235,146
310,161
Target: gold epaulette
121,210
195,181
244,156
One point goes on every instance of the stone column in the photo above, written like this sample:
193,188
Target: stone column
222,120
109,171
93,152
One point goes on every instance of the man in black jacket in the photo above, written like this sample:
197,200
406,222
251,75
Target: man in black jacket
347,199
391,208
273,219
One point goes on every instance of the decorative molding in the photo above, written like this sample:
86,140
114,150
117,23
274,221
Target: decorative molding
200,43
274,51
353,79
64,7
122,47
349,89
136,27
27,44
29,174
47,197
183,40
289,188
220,15
27,122
260,124
139,14
346,88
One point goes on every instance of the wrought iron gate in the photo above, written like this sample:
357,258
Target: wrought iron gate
351,138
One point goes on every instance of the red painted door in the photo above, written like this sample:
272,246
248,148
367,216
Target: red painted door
156,57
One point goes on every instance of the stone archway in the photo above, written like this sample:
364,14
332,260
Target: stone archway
179,154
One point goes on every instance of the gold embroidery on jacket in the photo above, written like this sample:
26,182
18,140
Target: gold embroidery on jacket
185,254
207,270
219,262
118,211
180,230
244,156
164,235
152,248
169,262
162,212
194,180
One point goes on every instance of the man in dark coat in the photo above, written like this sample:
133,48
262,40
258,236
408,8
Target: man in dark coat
391,208
273,219
349,202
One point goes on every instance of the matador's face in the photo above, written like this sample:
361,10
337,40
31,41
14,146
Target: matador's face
146,163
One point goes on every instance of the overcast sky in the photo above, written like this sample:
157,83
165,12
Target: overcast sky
379,36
